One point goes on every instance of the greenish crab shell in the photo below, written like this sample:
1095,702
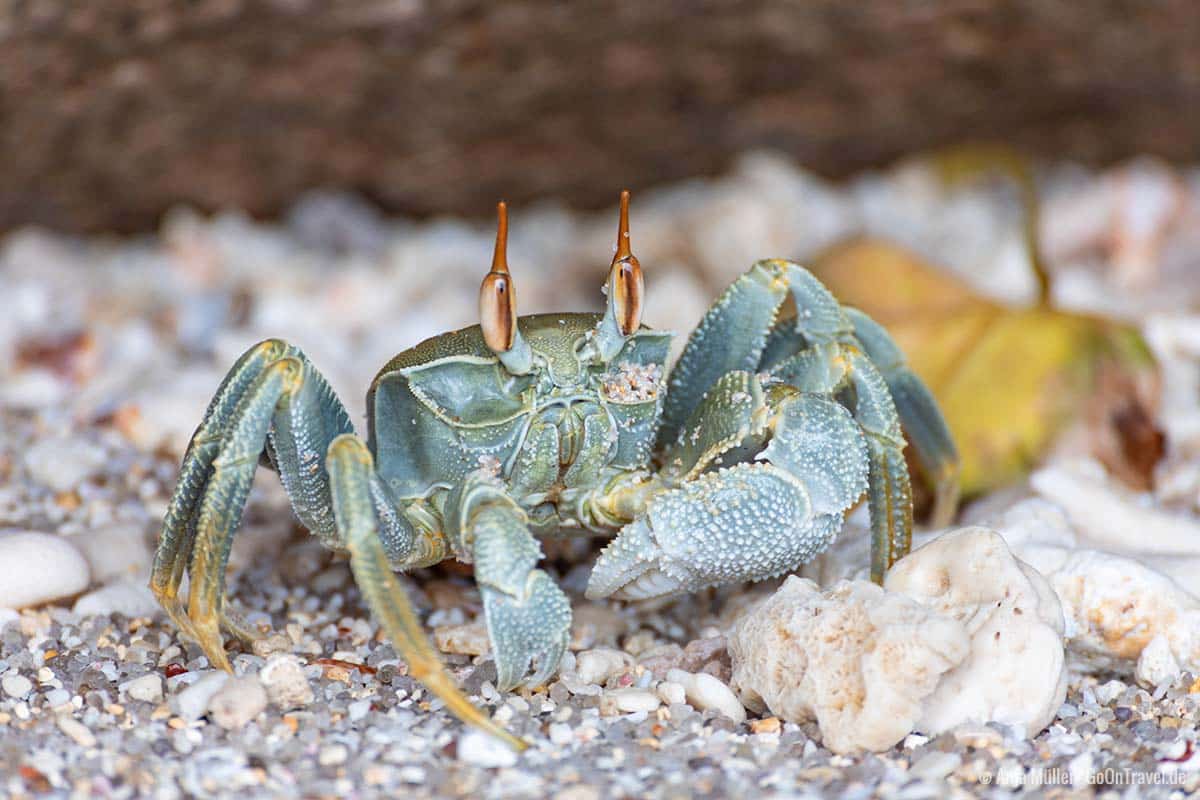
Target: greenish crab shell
447,407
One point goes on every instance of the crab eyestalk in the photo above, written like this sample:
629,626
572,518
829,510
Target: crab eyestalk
626,288
498,306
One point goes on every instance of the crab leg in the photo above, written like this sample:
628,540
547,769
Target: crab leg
225,496
294,419
528,616
923,423
350,469
890,492
179,527
730,337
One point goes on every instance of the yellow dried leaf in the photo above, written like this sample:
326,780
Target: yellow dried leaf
1008,380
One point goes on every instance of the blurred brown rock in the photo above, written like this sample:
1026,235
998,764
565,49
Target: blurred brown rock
112,112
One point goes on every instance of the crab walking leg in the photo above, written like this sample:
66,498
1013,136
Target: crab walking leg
290,410
351,469
889,492
528,616
225,496
301,431
923,423
830,370
179,527
730,337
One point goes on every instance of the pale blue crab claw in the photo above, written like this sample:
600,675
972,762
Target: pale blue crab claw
634,567
747,522
527,632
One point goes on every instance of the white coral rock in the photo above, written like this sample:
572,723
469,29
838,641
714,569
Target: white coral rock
1123,615
1128,613
964,632
858,660
1015,672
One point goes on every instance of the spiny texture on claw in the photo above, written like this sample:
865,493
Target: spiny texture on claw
746,522
479,441
819,439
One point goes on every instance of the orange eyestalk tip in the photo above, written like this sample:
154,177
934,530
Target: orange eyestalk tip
500,256
626,284
623,250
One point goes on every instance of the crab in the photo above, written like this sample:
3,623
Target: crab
783,411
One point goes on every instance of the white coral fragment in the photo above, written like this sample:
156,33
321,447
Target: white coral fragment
963,632
1015,672
856,659
1122,614
1126,612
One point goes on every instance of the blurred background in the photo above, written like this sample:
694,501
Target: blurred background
184,178
115,112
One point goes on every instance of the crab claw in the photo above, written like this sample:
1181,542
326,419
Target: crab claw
634,567
747,522
533,630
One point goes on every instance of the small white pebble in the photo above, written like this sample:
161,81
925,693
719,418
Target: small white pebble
36,568
376,775
62,463
470,639
237,702
632,700
77,731
57,697
17,686
332,755
287,685
707,692
128,597
671,693
561,734
576,686
148,688
935,766
484,750
1109,691
597,666
193,701
269,645
358,709
412,774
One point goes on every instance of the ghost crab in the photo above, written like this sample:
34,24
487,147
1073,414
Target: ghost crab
783,410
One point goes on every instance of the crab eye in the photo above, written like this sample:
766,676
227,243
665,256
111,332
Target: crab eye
497,295
498,312
625,282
